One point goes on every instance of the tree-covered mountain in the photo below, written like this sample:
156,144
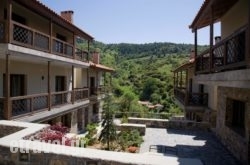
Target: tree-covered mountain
143,72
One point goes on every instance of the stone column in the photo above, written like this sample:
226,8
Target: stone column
73,128
90,113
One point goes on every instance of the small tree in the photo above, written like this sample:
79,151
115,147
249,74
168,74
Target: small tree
108,133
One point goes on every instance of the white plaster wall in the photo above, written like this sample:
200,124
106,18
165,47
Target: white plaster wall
80,78
34,74
236,17
84,78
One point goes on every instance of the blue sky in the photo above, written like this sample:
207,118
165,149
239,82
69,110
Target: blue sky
134,21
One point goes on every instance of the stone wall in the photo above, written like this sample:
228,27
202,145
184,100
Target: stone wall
128,127
157,123
7,130
8,158
171,124
236,143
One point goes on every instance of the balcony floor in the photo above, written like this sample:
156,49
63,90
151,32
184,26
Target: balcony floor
54,112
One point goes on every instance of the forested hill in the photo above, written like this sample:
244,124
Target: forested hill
143,50
143,72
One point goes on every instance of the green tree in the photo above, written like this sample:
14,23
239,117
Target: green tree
149,88
108,133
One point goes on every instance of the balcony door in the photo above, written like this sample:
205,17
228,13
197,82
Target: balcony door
92,85
60,83
17,88
60,86
17,85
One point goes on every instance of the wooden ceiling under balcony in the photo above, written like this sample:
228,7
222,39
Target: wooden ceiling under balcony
211,11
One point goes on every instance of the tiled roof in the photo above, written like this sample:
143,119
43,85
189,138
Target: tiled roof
42,9
101,67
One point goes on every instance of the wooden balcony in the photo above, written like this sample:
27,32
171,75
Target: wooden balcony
228,54
30,104
191,99
31,38
97,90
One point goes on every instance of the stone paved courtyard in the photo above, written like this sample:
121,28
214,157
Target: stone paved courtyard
187,144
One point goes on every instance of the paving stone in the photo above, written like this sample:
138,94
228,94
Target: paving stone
189,144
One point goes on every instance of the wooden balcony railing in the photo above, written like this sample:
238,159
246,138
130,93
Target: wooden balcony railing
1,107
62,48
97,90
81,94
180,95
81,55
61,98
28,104
228,54
191,99
27,37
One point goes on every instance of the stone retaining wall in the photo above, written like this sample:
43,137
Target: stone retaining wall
128,127
158,123
36,152
171,124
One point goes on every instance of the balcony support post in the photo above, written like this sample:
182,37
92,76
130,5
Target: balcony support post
211,41
248,39
186,83
74,46
88,52
73,85
49,86
7,105
9,24
181,80
88,82
51,40
195,49
177,79
97,83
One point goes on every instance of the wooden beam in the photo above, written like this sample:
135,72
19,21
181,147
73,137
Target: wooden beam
49,85
73,84
88,51
211,40
51,40
186,80
88,82
7,105
195,48
248,38
9,20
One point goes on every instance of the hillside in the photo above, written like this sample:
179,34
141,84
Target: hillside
143,72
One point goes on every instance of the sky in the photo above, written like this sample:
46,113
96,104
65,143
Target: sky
134,21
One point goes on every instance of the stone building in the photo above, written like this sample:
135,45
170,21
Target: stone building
215,87
44,76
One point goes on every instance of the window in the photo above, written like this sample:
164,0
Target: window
235,116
